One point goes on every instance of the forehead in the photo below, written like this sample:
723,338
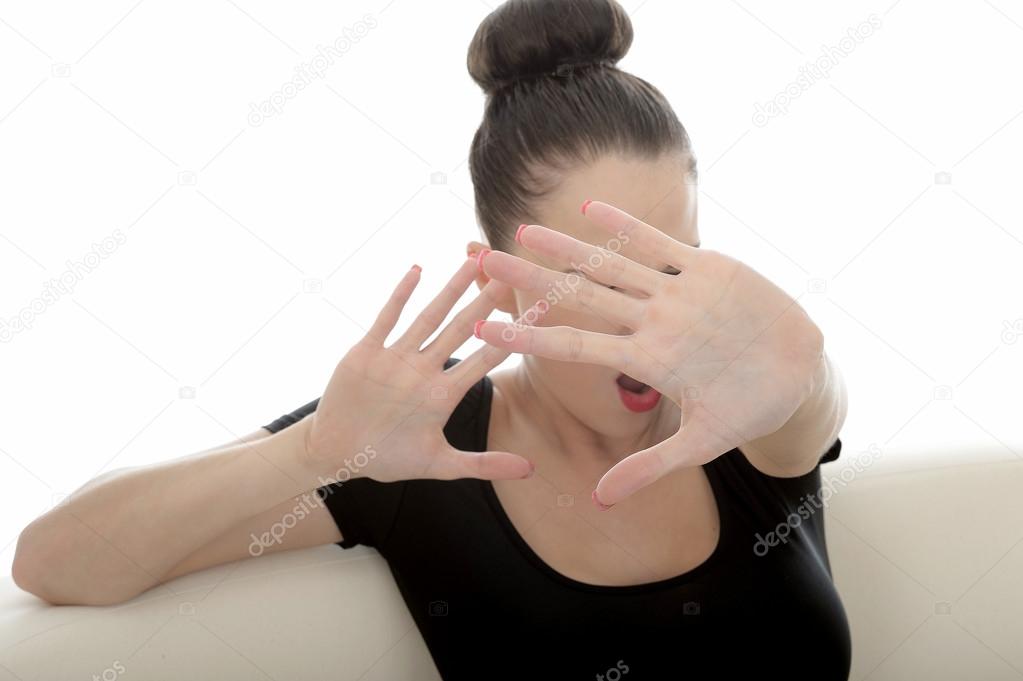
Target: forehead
652,190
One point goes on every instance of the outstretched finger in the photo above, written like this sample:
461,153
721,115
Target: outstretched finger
461,326
391,311
479,363
452,464
571,289
646,239
433,315
564,343
600,263
692,445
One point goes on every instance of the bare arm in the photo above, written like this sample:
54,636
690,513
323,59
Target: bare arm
796,448
134,528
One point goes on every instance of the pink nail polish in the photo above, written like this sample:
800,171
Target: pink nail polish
476,328
586,204
417,268
518,234
479,259
596,501
532,469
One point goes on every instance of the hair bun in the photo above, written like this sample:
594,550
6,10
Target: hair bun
529,37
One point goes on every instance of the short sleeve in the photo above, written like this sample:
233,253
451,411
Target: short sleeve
364,510
765,492
743,463
292,417
761,500
833,451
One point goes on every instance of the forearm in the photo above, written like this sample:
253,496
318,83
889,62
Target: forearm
812,428
118,535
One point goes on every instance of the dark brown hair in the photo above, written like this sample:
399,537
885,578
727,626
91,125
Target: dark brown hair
556,100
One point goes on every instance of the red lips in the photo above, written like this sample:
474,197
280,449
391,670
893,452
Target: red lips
636,396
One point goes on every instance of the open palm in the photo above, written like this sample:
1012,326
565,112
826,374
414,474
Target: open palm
735,352
384,409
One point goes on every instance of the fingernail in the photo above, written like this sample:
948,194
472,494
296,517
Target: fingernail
596,501
476,328
586,203
532,469
479,259
417,268
518,234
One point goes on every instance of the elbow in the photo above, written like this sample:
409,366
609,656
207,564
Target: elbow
28,568
38,570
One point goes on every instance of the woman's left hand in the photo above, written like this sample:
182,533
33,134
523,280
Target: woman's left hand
731,349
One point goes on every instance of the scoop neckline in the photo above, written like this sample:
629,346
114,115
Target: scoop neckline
690,575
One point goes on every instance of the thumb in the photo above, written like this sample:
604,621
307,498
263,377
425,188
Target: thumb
452,464
692,445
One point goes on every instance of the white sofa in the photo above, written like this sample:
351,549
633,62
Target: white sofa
926,549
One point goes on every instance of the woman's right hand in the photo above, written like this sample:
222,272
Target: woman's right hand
383,412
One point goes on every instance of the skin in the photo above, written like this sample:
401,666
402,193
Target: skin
728,348
133,529
581,438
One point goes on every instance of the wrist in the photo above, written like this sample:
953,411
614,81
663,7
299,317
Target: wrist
818,390
292,455
327,463
273,467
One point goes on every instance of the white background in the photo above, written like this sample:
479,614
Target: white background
254,255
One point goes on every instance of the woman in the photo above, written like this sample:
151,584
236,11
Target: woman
688,397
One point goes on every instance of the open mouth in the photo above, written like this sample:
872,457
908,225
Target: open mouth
632,385
635,395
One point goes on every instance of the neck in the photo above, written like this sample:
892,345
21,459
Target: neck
536,410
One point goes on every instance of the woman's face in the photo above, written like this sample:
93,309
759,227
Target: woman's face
655,191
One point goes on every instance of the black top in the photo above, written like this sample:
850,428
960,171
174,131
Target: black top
488,607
